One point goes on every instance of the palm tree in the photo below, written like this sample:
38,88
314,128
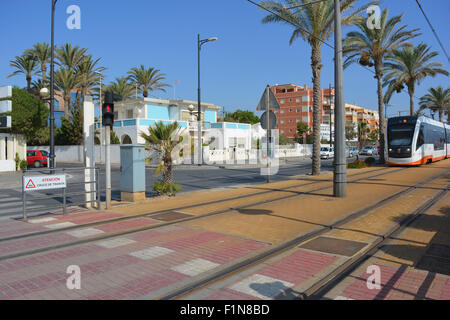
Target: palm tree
437,100
87,72
314,24
25,64
408,66
122,87
161,138
147,79
363,132
369,46
41,51
69,57
66,81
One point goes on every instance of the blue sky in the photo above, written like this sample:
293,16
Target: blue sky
235,69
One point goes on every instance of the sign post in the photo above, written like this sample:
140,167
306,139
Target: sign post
268,101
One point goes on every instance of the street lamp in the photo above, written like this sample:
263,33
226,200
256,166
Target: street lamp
52,90
199,116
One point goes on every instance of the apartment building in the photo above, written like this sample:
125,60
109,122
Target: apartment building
296,105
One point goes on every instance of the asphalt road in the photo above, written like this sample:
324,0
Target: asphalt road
190,179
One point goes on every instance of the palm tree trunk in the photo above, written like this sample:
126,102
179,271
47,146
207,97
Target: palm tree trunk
441,114
67,106
44,75
379,76
316,59
411,99
28,82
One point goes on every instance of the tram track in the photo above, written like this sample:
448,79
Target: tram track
325,284
164,224
180,208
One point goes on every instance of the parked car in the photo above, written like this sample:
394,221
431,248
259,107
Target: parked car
37,158
369,151
326,153
353,152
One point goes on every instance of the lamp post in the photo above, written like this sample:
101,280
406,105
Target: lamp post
199,117
52,90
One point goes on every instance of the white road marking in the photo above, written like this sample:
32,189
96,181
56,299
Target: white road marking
114,243
41,220
85,232
151,253
195,267
60,225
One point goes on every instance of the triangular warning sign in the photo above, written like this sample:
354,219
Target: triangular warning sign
30,185
273,102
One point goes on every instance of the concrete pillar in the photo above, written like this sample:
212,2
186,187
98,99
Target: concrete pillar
2,148
89,132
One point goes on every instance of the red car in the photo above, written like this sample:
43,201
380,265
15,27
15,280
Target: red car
37,158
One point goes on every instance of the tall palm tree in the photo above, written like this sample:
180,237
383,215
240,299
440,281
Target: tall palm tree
147,79
162,138
408,66
69,57
66,81
41,51
122,87
314,24
369,47
25,64
437,100
86,71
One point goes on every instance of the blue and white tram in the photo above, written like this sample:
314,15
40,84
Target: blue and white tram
416,141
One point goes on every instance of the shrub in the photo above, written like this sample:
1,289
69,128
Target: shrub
358,164
17,161
23,164
370,161
170,189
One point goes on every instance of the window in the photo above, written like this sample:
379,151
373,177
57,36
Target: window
282,121
282,101
130,114
297,100
305,98
420,138
282,131
298,110
297,120
31,153
290,120
116,115
282,111
290,100
305,109
290,110
290,130
305,119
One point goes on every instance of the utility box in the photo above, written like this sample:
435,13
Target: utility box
132,173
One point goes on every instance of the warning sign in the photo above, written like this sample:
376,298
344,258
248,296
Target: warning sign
35,183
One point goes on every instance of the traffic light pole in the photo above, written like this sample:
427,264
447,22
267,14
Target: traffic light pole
108,166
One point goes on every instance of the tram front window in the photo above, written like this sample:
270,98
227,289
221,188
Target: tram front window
400,136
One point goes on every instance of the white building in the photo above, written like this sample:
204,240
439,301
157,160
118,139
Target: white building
135,116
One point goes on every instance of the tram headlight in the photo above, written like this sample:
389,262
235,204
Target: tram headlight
408,150
390,149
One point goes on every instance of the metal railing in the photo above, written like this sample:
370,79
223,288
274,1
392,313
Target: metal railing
62,192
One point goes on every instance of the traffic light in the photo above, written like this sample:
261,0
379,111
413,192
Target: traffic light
108,114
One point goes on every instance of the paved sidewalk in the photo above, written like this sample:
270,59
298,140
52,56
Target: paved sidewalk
154,261
414,266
